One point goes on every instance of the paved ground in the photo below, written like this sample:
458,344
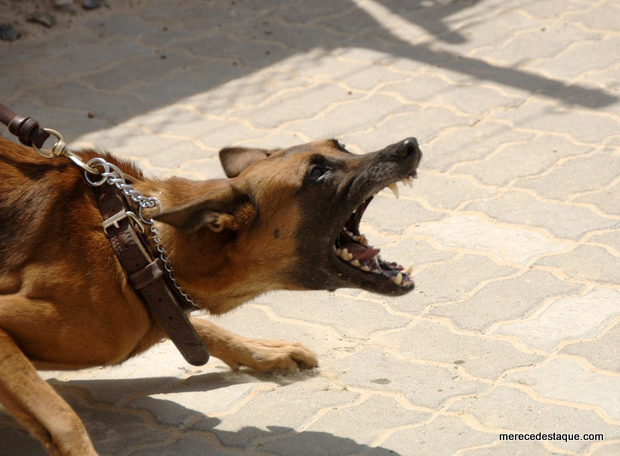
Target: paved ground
513,225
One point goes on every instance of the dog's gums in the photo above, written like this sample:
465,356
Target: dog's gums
353,249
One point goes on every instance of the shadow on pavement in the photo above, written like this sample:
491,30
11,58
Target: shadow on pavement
147,425
140,65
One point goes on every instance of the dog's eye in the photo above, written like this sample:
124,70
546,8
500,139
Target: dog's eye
317,172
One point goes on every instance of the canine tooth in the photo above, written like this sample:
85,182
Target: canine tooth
356,263
394,189
408,269
362,240
398,279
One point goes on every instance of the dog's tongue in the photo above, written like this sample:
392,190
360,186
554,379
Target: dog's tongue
360,252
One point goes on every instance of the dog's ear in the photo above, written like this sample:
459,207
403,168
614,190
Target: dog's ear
221,209
235,159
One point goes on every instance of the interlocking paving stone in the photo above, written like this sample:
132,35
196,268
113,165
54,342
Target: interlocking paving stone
422,384
346,117
370,419
587,262
479,357
521,159
354,74
423,122
295,105
601,17
536,43
573,175
586,126
381,212
303,401
465,272
602,352
607,200
422,439
349,317
511,410
575,59
610,449
569,318
462,145
512,244
566,221
449,192
568,381
467,99
511,298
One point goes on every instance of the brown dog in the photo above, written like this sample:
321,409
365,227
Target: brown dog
285,219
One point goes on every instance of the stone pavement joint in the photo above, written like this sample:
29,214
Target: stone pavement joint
513,225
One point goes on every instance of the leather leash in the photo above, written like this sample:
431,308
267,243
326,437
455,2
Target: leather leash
146,274
25,128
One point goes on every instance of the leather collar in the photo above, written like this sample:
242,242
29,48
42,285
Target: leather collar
147,274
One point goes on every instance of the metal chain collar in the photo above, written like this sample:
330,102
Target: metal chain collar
112,175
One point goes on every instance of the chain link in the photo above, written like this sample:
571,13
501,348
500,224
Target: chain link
112,175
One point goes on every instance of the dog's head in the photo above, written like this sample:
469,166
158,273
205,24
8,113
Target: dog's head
292,216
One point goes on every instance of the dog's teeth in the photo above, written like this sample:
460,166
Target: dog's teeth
394,189
355,263
345,255
398,279
405,181
362,240
410,181
408,269
365,268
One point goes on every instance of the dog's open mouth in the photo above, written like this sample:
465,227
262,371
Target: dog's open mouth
352,247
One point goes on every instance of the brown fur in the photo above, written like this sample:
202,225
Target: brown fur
65,302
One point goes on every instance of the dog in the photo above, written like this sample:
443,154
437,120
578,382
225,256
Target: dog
282,219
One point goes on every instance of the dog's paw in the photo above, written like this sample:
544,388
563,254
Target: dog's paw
275,355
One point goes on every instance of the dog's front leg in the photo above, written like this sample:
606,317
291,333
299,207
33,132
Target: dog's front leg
35,404
261,355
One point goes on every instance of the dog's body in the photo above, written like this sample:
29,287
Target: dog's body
283,220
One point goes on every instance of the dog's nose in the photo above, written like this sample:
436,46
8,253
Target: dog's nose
407,148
